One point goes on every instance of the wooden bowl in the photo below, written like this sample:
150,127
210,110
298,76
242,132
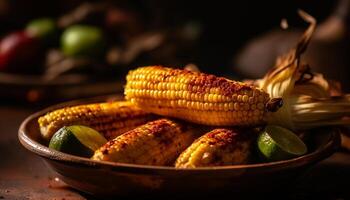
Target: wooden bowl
106,178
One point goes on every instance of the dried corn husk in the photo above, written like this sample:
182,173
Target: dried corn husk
307,97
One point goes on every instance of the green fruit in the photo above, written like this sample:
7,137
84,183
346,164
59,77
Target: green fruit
82,40
77,140
44,28
277,143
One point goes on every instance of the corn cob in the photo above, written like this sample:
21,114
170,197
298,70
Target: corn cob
197,97
110,119
219,147
156,143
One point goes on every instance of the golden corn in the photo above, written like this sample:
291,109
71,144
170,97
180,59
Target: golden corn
156,143
110,119
217,148
196,97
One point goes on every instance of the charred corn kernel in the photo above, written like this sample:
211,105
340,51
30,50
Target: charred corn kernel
110,119
219,147
156,143
194,96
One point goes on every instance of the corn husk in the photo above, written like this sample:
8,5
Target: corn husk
307,97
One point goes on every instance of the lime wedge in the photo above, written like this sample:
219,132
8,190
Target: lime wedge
77,140
277,143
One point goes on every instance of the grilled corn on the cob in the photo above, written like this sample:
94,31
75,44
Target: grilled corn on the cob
217,148
110,119
156,143
197,97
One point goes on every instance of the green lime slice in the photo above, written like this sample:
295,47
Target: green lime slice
77,140
277,143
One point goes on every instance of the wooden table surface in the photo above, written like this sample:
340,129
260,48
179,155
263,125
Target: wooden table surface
23,175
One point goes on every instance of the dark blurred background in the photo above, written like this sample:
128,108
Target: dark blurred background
226,26
238,41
